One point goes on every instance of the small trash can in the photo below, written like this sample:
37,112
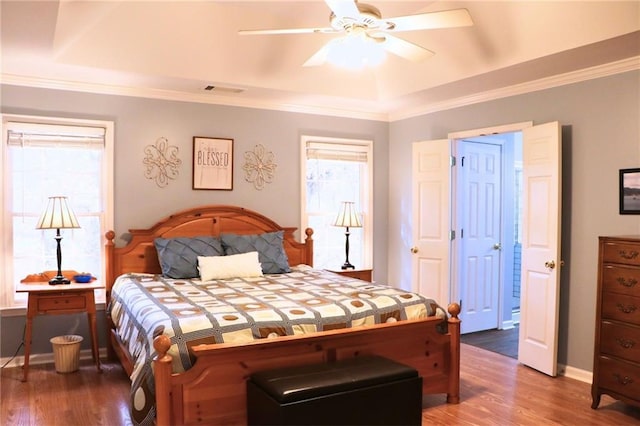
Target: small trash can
66,353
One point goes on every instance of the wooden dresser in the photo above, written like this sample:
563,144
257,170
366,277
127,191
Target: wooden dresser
616,360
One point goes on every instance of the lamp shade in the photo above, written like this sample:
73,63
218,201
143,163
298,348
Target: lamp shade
57,215
347,217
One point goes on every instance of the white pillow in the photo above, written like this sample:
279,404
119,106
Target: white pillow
243,265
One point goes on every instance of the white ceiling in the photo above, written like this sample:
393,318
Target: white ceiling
174,49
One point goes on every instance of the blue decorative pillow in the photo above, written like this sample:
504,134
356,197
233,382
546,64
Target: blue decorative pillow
270,248
179,256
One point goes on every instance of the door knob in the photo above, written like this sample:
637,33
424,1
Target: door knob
550,264
414,250
497,246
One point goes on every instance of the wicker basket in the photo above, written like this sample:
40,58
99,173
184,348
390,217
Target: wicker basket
66,353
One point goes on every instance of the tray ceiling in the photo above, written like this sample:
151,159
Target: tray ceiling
175,49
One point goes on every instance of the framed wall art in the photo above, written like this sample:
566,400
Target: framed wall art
630,191
212,163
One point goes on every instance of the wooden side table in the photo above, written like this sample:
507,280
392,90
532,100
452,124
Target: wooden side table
361,274
45,299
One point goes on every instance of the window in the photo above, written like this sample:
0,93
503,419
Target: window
337,170
45,157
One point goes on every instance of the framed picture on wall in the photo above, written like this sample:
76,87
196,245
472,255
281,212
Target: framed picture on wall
630,191
212,163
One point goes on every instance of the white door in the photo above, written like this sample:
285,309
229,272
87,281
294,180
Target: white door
479,168
430,262
538,342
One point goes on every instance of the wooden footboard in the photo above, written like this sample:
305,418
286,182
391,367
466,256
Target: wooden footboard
213,391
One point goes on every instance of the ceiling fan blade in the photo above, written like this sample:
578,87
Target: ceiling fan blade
324,30
320,57
405,49
431,20
342,8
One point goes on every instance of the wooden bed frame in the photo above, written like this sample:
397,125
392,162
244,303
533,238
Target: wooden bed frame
213,391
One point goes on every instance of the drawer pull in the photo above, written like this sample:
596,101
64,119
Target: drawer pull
626,380
623,282
630,255
625,343
626,309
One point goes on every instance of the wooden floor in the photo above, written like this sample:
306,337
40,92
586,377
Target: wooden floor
495,390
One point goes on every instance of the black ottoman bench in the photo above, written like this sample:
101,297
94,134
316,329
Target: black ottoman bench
357,391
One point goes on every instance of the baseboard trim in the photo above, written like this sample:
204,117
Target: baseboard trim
575,373
46,358
508,325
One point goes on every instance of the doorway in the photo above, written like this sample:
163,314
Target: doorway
488,227
488,216
435,246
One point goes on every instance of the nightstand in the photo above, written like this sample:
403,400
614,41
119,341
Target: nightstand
45,299
361,274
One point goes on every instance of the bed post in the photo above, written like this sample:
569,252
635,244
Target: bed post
308,246
108,283
162,376
108,277
453,396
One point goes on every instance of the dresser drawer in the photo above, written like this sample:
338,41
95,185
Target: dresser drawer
619,252
621,307
620,376
61,303
620,340
621,279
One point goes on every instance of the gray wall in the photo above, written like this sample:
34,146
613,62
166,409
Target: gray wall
601,134
139,202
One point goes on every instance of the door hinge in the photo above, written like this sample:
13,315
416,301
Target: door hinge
452,161
452,235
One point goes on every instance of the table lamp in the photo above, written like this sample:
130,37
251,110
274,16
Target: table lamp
58,216
347,218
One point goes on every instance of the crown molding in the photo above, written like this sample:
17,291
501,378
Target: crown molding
612,68
617,67
172,95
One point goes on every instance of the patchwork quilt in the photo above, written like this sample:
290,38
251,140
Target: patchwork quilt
193,312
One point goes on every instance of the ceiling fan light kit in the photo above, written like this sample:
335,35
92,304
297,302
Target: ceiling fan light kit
367,37
356,53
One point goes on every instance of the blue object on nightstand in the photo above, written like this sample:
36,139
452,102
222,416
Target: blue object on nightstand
82,278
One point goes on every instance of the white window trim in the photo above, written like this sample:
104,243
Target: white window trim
367,210
7,292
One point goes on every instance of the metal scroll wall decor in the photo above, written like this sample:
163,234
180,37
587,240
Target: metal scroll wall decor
259,167
161,162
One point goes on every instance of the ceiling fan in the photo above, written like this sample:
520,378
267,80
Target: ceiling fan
363,22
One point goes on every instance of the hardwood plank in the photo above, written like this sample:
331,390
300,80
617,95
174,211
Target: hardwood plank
85,397
495,390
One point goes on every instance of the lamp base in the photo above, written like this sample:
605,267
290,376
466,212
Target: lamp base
347,265
59,279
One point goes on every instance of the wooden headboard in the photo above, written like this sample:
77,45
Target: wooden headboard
139,255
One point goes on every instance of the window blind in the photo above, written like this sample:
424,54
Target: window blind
41,135
338,152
